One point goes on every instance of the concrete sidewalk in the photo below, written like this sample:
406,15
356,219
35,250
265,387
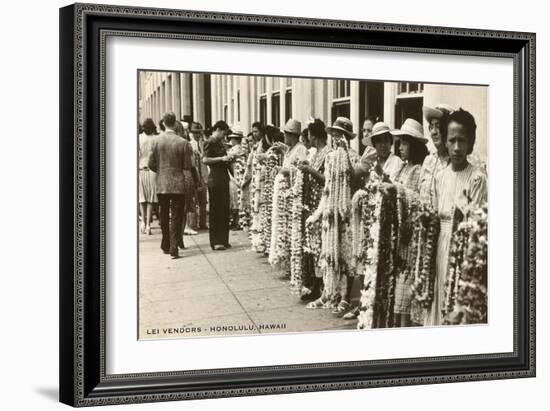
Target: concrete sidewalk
208,292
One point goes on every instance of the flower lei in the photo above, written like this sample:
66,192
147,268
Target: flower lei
297,231
334,210
239,169
269,169
387,248
466,287
279,250
312,198
422,258
367,250
256,185
393,234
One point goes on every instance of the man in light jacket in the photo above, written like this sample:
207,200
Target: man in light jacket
171,155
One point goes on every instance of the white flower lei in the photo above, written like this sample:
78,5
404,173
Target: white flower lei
369,257
297,231
334,209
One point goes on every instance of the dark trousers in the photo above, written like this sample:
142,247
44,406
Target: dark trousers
200,195
172,207
218,192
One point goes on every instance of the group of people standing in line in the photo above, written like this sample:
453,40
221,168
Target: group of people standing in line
245,177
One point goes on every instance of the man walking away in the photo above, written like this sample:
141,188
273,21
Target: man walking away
171,155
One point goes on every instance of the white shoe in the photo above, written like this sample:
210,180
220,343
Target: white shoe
189,231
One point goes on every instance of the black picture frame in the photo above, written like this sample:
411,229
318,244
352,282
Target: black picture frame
83,30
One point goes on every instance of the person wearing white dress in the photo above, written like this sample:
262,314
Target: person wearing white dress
459,188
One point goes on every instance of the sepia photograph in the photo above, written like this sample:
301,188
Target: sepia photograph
292,205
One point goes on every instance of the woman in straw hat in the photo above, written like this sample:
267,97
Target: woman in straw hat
337,278
411,145
413,150
386,162
459,188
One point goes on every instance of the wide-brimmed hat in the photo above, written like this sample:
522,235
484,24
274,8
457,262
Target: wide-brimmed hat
235,132
411,128
379,129
196,127
344,125
293,126
437,111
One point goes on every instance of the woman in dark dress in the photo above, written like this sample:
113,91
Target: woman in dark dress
215,156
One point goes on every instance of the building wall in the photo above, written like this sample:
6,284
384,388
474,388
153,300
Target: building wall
237,100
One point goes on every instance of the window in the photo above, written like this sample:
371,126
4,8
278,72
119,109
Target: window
340,109
288,105
408,108
341,89
276,109
408,88
225,113
341,99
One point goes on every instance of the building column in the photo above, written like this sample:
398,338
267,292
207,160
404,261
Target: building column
214,96
390,95
302,99
245,122
198,98
321,105
157,105
235,88
176,93
162,98
282,100
228,81
167,91
269,90
253,100
354,113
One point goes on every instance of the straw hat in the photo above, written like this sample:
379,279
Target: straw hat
344,125
379,129
293,126
436,112
196,127
236,132
411,128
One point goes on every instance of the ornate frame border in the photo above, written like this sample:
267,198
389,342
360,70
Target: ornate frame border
82,53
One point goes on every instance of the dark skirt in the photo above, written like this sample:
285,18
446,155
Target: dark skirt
218,192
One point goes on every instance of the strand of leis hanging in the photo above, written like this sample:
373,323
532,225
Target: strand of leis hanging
297,232
469,292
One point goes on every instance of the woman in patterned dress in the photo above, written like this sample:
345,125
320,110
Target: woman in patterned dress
459,188
412,148
314,179
147,178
